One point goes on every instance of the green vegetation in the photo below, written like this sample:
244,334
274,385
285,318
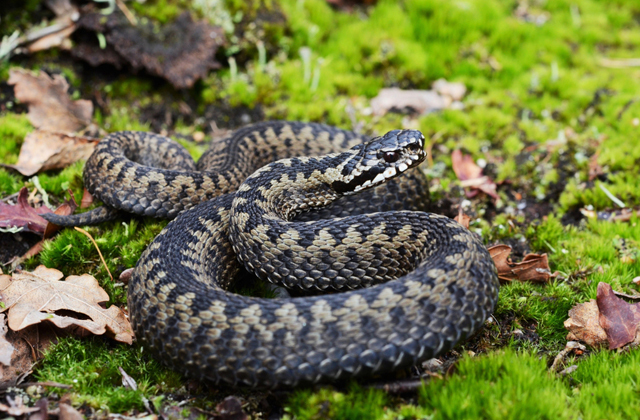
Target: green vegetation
556,126
91,367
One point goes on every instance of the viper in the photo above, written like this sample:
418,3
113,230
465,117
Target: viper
414,283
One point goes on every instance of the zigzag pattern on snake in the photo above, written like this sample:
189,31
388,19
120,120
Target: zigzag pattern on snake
431,282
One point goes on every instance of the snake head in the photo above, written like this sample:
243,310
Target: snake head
379,160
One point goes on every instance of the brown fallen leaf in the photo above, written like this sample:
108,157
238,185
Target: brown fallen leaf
607,319
67,412
43,405
419,102
31,298
618,318
532,268
50,107
470,176
462,218
43,150
87,199
584,324
22,215
29,346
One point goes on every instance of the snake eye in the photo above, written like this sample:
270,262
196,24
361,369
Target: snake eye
391,157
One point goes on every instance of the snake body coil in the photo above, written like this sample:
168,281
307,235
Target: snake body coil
432,283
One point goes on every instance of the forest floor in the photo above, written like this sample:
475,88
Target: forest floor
550,113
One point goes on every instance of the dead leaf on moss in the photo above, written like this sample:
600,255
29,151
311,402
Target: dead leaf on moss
584,325
618,318
462,218
532,268
22,215
43,150
50,107
607,319
470,176
67,412
31,298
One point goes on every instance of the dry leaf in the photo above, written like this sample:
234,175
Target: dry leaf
533,267
31,298
407,101
470,175
29,345
22,215
618,318
67,412
87,199
607,319
50,107
43,150
583,324
43,405
453,90
127,380
462,218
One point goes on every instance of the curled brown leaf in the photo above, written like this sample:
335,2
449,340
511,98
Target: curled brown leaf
470,176
532,268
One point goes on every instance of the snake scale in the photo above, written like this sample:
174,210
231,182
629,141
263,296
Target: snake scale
421,282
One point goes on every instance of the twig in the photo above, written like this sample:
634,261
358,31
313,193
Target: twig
127,13
399,387
84,232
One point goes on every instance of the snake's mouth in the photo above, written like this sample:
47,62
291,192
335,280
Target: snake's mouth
364,181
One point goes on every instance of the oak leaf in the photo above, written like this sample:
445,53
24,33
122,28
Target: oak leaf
43,150
31,298
50,107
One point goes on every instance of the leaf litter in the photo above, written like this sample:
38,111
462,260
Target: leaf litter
54,145
607,319
33,297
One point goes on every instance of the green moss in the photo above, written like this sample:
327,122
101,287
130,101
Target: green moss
120,243
504,385
91,365
356,404
161,10
13,129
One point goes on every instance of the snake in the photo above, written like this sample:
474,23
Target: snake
305,206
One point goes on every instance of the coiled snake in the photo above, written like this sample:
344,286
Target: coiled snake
431,282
